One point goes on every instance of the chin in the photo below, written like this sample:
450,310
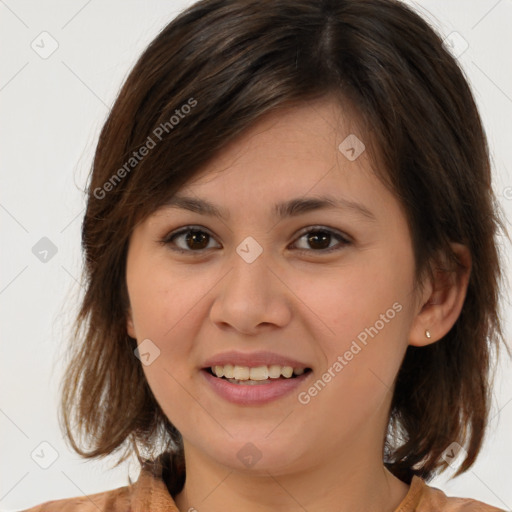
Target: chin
254,454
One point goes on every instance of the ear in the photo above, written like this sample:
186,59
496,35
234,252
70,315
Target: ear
130,329
442,301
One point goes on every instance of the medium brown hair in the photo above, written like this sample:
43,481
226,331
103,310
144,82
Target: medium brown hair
231,61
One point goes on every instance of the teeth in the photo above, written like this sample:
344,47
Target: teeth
287,371
258,373
274,371
241,373
229,371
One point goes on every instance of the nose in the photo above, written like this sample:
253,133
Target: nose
251,297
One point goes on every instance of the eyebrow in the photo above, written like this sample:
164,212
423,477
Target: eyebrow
290,208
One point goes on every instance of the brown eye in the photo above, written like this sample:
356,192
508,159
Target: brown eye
196,239
190,240
319,240
193,240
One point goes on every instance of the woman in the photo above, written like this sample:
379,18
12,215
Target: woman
292,268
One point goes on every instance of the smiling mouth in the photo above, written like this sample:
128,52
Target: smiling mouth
257,375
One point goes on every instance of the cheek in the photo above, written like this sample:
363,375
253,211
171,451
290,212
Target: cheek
159,298
346,301
363,356
169,307
361,316
163,311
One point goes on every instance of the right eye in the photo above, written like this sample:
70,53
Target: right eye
193,240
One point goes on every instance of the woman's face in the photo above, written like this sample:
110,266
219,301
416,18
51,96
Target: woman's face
325,289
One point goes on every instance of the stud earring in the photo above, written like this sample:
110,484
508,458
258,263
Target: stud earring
427,333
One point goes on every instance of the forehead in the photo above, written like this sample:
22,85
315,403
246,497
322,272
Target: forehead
300,151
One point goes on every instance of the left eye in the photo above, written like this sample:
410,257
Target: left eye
196,240
319,237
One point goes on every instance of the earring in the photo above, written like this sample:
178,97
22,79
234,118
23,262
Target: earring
427,333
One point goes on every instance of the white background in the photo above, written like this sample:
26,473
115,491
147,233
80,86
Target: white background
52,110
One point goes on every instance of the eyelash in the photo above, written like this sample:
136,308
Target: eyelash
169,239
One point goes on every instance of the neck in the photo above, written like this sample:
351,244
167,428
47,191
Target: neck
363,485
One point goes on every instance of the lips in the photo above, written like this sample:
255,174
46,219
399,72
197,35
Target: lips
257,393
241,389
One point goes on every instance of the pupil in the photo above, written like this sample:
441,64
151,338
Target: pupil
194,236
319,235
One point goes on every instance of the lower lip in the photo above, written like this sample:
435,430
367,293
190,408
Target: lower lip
246,394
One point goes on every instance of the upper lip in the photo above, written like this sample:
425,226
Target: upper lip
252,360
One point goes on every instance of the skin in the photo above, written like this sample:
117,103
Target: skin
325,455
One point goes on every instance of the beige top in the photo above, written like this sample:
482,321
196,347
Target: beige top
150,494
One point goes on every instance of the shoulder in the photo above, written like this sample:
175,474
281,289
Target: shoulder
116,500
148,493
425,498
